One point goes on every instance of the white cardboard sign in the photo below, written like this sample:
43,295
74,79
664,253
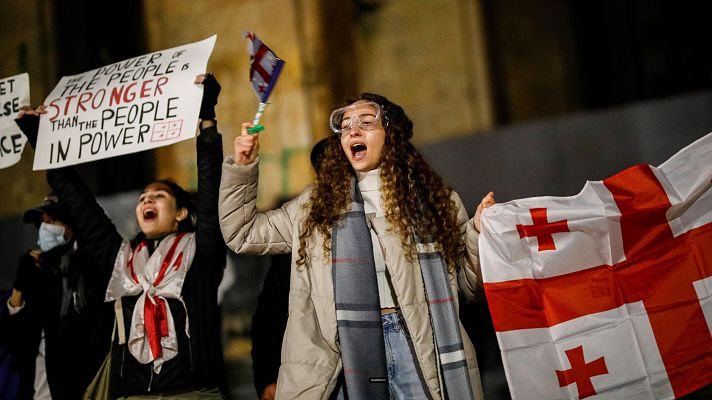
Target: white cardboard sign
133,105
14,93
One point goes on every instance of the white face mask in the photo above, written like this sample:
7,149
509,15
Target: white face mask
50,236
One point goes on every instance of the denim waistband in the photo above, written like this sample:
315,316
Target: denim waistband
392,321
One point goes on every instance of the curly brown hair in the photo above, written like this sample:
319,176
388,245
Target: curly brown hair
416,198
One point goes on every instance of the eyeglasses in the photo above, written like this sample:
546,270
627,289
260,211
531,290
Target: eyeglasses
366,116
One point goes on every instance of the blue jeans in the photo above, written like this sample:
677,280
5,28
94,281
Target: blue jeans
404,381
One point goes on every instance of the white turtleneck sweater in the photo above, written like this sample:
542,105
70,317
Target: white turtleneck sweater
370,185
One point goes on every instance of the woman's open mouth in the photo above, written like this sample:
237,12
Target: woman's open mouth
149,214
358,151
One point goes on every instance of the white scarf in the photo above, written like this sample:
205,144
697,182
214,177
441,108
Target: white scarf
152,336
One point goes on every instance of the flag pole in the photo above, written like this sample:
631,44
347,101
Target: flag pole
256,120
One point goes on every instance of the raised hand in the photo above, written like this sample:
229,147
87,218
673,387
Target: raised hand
246,146
487,201
29,122
26,274
211,91
269,392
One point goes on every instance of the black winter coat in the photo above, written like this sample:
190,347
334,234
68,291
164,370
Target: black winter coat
76,343
269,322
199,363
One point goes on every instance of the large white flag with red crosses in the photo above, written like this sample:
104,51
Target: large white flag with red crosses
607,294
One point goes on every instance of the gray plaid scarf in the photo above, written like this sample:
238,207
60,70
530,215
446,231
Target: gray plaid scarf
358,314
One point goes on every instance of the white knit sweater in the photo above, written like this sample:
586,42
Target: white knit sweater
370,185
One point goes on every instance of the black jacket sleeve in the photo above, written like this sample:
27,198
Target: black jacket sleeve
210,245
20,333
201,283
269,322
93,228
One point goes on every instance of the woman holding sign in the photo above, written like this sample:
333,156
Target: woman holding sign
381,247
164,282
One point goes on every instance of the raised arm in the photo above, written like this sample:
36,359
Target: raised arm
244,229
470,276
210,245
93,227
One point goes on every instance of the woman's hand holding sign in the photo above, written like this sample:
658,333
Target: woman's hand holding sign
29,122
211,91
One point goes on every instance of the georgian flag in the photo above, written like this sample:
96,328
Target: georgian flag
265,67
607,294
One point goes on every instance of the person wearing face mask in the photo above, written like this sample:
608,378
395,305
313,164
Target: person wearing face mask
381,246
54,322
164,281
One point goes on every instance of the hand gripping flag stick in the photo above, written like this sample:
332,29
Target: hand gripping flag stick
265,67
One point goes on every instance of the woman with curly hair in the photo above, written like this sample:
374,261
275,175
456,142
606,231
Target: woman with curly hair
382,247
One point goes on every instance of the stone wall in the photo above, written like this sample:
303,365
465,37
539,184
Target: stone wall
26,46
428,56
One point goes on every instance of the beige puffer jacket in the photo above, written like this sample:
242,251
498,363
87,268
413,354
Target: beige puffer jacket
311,359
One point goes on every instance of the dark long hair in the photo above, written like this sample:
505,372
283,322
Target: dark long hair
416,198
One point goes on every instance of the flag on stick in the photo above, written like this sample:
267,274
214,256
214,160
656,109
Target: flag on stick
607,293
265,68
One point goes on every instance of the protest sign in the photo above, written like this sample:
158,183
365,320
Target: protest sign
14,93
125,107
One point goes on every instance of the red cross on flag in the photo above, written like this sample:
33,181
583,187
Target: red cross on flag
265,67
607,294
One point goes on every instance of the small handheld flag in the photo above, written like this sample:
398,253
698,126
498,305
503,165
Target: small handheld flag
265,68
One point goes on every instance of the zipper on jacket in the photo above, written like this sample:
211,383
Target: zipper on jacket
123,359
150,380
190,352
